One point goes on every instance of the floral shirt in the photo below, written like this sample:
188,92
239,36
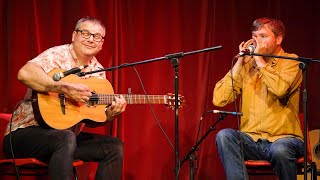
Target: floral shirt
62,57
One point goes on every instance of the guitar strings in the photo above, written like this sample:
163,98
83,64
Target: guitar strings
131,99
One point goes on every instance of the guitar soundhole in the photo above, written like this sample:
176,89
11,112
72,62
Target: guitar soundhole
316,151
93,101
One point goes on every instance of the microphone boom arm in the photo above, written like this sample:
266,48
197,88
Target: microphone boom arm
169,56
301,59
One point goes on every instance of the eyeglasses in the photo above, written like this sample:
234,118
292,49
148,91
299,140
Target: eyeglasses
86,34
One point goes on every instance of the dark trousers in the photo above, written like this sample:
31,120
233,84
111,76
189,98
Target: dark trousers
60,147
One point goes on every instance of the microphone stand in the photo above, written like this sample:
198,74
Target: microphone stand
303,66
191,154
175,62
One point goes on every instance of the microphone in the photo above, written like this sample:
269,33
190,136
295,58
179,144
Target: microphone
250,50
227,112
60,75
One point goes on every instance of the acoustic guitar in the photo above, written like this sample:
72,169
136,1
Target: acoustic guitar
53,110
314,136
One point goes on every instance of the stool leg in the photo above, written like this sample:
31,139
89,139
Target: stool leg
313,168
75,173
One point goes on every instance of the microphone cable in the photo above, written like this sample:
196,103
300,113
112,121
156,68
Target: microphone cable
199,126
151,109
155,117
200,129
238,119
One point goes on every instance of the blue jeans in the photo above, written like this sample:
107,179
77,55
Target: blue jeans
282,154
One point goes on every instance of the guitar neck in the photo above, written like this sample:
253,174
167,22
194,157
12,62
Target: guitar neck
130,98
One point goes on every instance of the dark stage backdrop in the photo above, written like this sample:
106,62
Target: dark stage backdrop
145,29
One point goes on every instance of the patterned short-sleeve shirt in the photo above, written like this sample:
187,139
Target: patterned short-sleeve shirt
62,57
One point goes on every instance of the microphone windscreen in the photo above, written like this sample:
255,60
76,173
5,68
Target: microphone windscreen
251,48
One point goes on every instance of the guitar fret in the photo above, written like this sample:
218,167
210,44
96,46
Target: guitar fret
129,98
138,99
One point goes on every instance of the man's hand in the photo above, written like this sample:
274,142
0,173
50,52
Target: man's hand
75,91
261,48
117,107
242,47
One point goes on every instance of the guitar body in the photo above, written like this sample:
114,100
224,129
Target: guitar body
48,110
314,136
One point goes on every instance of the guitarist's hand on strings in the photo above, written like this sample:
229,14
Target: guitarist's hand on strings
76,91
116,107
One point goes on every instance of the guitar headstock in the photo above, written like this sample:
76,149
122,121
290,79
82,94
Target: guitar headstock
170,101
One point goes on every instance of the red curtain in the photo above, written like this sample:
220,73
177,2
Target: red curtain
145,29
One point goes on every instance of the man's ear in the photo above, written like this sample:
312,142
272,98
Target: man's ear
279,39
101,44
73,35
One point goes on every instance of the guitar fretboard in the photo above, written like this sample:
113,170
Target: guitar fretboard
130,98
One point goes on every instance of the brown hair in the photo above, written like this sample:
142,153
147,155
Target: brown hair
275,25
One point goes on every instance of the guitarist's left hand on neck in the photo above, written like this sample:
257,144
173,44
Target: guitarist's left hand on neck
116,107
